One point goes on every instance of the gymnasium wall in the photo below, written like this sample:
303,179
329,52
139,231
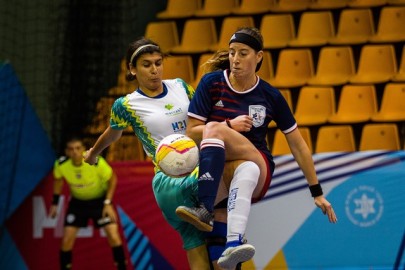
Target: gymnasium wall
288,231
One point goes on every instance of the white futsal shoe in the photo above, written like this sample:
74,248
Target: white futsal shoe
236,254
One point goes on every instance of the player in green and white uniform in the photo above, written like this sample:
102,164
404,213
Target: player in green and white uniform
156,109
152,119
92,189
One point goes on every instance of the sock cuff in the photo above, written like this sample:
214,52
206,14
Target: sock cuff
219,229
212,143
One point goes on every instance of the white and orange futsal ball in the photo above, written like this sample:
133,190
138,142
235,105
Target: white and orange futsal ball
177,155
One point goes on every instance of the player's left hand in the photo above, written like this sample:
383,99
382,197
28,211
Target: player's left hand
109,211
326,208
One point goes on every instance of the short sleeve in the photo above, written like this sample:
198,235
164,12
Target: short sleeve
201,104
120,117
57,172
284,118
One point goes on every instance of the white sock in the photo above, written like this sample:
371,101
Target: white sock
244,182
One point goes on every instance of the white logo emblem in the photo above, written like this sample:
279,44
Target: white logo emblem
258,113
70,218
219,104
232,198
206,177
364,206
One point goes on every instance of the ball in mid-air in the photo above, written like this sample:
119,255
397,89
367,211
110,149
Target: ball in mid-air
177,155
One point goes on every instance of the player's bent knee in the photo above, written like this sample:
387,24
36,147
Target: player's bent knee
213,130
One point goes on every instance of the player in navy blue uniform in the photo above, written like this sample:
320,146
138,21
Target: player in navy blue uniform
233,108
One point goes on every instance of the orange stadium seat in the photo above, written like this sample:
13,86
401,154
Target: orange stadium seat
355,26
250,7
314,105
198,36
335,66
179,66
228,27
400,75
277,30
396,2
286,6
280,144
163,33
366,3
335,139
266,71
357,103
392,107
100,120
390,25
328,4
315,29
211,8
294,68
177,9
200,70
377,64
379,137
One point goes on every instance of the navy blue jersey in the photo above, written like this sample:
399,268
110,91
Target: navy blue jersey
215,100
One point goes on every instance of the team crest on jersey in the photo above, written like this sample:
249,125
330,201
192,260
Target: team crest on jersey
169,106
258,113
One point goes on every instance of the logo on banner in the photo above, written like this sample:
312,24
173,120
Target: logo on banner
258,113
364,206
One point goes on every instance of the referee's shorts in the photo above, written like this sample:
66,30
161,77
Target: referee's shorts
80,211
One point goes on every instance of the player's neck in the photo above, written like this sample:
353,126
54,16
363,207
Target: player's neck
77,163
151,92
242,84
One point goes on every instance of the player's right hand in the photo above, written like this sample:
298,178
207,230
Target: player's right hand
89,158
53,211
242,123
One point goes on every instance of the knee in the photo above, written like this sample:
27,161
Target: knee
213,130
247,171
114,238
67,243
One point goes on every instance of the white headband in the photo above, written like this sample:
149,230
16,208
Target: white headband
139,49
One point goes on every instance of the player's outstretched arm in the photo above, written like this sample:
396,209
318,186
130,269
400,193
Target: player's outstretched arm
106,139
303,156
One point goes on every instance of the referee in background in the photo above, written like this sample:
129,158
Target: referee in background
92,188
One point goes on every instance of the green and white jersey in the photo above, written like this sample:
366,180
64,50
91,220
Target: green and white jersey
86,182
153,118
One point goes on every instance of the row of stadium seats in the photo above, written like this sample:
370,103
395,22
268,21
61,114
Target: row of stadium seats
329,138
340,88
336,138
336,65
315,28
177,9
317,105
